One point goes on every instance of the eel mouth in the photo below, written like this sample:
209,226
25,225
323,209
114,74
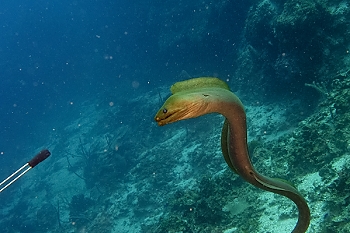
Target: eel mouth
163,120
160,122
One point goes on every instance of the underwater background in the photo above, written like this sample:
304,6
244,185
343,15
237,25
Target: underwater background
84,79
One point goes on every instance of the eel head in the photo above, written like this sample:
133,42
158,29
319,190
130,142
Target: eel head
181,106
191,98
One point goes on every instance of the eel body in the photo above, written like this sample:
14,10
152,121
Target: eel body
199,96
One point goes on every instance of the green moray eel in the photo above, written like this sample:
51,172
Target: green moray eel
199,96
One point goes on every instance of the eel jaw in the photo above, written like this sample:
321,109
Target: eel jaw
190,103
167,116
179,107
160,121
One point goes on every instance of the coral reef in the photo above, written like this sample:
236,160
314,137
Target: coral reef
289,44
203,209
47,217
88,216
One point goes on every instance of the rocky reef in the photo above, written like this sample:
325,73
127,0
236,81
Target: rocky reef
290,43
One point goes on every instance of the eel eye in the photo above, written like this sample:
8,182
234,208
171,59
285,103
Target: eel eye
165,110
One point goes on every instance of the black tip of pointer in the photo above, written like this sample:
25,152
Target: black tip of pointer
39,158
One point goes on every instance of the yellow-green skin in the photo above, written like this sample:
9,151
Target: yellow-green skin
199,96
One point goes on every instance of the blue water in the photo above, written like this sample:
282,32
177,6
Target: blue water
56,52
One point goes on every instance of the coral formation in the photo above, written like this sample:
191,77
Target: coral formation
201,209
298,36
